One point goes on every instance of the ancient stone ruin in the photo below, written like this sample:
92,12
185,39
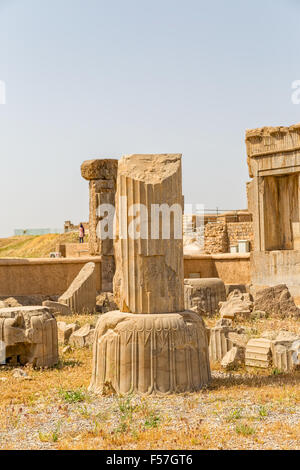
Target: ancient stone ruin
273,199
204,295
29,335
81,294
151,345
102,177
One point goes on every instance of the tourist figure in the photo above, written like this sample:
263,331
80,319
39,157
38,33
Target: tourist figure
81,233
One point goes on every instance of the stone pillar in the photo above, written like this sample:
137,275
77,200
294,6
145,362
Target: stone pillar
151,345
102,176
149,276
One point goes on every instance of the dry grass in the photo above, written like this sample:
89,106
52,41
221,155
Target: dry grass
34,246
246,409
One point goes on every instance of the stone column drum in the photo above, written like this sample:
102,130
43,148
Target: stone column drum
151,345
102,176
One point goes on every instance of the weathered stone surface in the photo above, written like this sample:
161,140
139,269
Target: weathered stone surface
233,358
83,337
237,306
286,358
58,308
99,169
258,353
163,353
106,302
285,350
273,160
232,287
276,301
223,337
65,330
30,336
149,272
81,295
216,238
102,176
203,295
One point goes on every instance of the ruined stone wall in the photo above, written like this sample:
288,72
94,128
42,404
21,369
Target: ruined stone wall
216,238
240,231
220,236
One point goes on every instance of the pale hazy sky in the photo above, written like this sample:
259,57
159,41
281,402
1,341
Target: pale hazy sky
95,78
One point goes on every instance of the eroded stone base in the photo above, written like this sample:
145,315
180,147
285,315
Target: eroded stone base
150,353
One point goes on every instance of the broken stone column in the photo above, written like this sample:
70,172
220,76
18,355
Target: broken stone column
149,273
81,294
102,176
28,335
151,345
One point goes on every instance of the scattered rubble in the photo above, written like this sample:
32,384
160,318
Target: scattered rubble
233,358
84,337
65,330
238,306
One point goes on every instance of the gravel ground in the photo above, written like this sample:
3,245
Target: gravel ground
45,424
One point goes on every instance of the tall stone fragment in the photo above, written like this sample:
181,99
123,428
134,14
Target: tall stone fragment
149,273
203,295
81,294
102,177
152,345
29,336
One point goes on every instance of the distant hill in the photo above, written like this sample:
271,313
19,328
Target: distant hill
38,246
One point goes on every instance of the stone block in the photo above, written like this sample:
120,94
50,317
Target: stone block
203,295
84,337
258,353
58,308
238,306
233,358
276,301
99,169
81,294
29,335
65,330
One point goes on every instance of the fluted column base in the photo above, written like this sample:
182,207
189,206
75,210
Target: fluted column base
150,353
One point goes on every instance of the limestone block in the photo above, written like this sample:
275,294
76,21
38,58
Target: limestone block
65,330
285,349
29,335
81,294
237,306
99,169
58,308
149,261
258,353
106,302
276,301
203,295
233,358
83,337
162,353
